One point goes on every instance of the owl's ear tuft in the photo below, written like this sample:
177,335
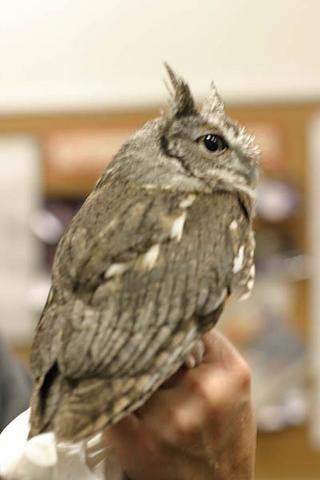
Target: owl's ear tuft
213,104
182,102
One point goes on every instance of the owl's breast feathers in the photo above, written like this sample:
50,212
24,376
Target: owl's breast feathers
138,275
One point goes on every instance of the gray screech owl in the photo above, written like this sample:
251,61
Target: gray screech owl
145,266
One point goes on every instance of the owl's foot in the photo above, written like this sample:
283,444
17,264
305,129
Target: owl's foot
195,357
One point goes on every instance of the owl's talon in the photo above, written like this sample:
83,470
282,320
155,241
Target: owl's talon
195,357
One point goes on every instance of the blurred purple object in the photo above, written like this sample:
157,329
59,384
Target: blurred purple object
276,200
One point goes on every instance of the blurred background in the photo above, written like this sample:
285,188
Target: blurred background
76,78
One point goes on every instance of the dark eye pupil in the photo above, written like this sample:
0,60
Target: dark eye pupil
214,143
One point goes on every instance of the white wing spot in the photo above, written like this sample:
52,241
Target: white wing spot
149,186
233,225
116,269
95,440
188,201
250,284
252,271
245,296
177,227
150,257
238,260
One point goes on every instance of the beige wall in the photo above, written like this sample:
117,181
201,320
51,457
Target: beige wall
98,53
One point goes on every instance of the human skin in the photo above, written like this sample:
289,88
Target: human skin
199,426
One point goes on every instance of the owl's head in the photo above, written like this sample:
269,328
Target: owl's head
190,148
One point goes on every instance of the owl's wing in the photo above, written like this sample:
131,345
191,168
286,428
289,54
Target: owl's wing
243,241
134,276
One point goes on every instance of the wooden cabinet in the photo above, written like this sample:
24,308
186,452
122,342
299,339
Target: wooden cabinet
75,148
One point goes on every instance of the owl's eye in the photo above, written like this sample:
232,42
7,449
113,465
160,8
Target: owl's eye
214,143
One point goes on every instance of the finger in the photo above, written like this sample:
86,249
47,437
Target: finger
224,378
127,427
133,448
174,416
190,393
219,351
215,349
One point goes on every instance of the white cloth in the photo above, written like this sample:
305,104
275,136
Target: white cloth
41,458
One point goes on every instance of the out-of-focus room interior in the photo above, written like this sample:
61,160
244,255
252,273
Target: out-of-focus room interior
78,77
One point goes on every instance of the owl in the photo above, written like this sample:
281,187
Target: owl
145,267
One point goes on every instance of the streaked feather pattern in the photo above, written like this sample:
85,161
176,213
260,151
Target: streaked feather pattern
143,270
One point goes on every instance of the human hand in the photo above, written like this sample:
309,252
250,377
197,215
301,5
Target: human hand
199,426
